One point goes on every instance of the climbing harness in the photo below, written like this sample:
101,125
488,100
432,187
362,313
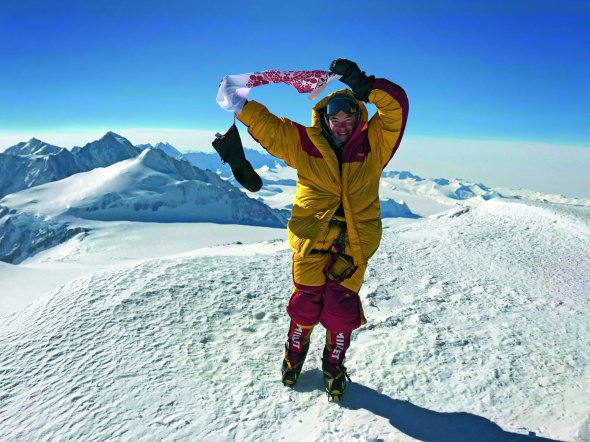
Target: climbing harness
336,251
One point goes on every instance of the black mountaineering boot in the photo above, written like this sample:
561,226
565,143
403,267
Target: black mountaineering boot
230,149
292,364
335,378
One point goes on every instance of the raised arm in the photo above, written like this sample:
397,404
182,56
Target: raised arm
387,126
279,136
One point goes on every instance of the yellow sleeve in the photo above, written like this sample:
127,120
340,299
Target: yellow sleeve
388,124
279,136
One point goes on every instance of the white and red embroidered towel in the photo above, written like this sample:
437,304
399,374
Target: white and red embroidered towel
234,89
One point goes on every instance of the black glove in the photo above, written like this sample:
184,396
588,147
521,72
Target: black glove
352,76
230,149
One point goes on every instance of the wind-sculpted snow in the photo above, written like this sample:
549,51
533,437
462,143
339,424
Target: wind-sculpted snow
23,235
479,325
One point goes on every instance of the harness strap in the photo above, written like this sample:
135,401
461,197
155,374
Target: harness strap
336,250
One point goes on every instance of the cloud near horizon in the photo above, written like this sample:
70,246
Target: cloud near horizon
547,168
182,139
542,167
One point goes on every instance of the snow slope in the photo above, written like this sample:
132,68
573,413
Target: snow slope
479,325
114,245
150,187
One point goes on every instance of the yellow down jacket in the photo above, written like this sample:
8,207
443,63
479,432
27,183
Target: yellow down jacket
321,186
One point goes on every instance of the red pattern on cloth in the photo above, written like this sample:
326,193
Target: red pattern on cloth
303,81
234,89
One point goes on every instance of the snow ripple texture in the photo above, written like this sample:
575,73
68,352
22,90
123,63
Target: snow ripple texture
479,327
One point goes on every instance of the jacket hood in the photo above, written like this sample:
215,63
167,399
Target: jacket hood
319,110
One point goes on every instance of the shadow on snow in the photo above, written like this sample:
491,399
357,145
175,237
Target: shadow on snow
417,422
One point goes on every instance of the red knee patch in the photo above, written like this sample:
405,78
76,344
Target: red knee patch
341,310
305,305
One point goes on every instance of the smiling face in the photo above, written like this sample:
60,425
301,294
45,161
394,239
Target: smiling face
342,126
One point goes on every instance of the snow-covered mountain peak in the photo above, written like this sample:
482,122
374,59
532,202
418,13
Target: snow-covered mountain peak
160,161
116,137
33,147
110,149
165,147
34,140
404,175
33,143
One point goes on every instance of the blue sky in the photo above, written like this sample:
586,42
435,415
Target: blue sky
497,70
493,70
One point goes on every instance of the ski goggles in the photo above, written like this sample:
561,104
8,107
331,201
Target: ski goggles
346,105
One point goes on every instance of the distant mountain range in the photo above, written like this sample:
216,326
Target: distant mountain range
47,192
212,161
152,187
167,148
34,162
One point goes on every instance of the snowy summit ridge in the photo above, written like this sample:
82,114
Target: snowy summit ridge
472,336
